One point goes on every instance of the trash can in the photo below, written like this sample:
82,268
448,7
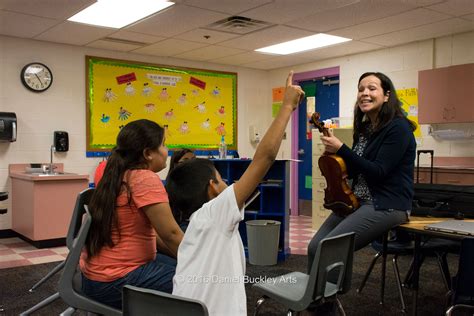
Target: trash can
262,241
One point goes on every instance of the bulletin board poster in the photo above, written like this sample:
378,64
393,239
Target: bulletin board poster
195,107
409,99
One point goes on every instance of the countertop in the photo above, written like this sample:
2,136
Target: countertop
17,171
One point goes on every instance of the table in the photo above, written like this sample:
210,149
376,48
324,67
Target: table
416,227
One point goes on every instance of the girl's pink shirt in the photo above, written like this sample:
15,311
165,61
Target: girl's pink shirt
137,243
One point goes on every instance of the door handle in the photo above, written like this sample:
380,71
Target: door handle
301,151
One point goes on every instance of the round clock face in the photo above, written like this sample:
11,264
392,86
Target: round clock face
36,77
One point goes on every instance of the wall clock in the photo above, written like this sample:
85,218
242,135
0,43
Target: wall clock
36,77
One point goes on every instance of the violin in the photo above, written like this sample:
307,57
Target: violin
338,197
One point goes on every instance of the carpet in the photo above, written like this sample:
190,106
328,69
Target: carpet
15,282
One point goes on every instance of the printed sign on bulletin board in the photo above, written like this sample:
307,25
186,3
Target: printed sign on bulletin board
409,99
196,107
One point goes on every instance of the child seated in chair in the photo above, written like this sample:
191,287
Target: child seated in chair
211,259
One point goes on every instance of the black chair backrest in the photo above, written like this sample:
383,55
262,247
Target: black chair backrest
82,199
138,301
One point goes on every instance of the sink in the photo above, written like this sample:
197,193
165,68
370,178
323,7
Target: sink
42,174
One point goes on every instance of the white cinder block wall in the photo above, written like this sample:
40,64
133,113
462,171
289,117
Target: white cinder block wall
401,64
63,106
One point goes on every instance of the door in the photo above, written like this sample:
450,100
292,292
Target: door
326,93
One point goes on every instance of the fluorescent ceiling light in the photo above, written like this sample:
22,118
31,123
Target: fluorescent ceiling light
118,13
303,44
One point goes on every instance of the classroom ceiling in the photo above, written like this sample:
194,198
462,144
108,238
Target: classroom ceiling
187,30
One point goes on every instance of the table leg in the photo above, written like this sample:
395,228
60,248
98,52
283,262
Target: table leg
416,272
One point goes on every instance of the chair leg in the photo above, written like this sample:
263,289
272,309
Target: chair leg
340,308
68,312
399,282
372,264
47,276
443,267
382,285
258,304
41,304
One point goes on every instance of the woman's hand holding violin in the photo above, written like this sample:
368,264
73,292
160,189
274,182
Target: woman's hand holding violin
331,143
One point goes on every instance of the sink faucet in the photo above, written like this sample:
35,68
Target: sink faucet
51,166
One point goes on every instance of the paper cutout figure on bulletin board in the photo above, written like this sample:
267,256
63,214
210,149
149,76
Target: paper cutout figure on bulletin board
184,128
201,107
129,89
109,96
105,119
206,125
216,92
182,99
221,129
195,92
123,114
147,90
169,115
150,107
221,111
164,94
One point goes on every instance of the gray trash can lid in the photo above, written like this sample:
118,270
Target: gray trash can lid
262,222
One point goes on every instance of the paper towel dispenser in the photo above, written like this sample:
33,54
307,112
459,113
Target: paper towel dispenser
8,127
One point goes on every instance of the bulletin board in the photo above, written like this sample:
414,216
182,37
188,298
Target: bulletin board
196,107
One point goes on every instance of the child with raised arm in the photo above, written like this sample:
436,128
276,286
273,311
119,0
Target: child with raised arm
211,259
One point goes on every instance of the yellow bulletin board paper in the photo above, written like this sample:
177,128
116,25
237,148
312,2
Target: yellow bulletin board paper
196,107
409,99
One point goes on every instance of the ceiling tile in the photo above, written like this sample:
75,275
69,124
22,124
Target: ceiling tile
438,29
348,48
454,7
244,58
169,47
21,25
209,53
277,62
111,45
74,33
229,6
175,20
197,35
357,13
281,11
136,37
46,8
393,23
266,37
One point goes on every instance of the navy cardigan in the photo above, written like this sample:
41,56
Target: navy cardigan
387,165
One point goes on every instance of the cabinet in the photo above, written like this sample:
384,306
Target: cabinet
447,176
42,205
273,201
445,95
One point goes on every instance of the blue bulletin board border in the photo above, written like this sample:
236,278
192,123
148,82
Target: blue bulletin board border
96,149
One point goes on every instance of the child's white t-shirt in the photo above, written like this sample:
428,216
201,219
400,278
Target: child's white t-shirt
211,258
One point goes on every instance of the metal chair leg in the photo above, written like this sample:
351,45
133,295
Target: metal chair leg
47,276
68,312
444,268
340,308
41,304
258,304
372,264
384,266
399,282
